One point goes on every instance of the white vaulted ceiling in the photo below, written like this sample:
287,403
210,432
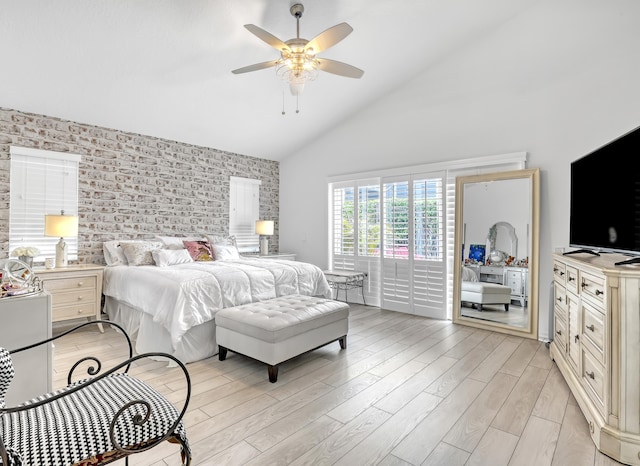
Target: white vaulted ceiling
163,67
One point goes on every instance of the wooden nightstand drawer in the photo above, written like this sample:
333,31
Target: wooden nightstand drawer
63,298
75,311
53,285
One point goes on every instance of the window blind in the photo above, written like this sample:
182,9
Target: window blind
41,182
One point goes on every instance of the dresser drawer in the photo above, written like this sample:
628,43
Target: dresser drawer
54,285
593,330
572,280
560,333
592,287
593,379
560,272
560,298
79,296
74,311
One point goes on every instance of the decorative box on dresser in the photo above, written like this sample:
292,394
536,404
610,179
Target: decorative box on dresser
76,291
596,346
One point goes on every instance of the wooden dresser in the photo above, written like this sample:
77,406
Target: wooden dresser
76,291
596,346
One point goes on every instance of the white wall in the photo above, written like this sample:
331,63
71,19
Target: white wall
557,82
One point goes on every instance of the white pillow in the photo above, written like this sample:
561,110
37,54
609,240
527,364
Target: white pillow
139,252
219,239
224,252
175,242
166,257
113,253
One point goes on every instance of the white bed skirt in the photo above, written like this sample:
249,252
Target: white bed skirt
198,343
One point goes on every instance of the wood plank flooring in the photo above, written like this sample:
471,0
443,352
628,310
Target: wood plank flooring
406,391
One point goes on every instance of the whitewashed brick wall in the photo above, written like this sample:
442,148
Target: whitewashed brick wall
136,186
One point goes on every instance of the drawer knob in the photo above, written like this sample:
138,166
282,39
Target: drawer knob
591,327
561,274
80,298
559,298
591,375
559,332
80,283
576,338
571,279
598,292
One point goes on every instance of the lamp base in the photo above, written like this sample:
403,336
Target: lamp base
264,246
61,254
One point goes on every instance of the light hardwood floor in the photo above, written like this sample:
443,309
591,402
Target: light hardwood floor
406,391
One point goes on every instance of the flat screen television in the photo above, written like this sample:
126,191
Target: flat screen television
605,199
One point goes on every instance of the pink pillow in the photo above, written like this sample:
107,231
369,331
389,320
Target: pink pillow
199,250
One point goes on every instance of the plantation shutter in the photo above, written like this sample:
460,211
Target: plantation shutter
244,210
41,182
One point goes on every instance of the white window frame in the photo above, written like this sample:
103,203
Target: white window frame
41,182
244,210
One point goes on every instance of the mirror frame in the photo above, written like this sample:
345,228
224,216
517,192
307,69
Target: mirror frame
531,331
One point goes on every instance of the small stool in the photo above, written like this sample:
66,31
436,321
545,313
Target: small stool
346,280
278,329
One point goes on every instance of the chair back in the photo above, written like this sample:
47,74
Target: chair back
6,374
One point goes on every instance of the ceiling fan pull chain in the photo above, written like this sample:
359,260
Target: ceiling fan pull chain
297,102
283,101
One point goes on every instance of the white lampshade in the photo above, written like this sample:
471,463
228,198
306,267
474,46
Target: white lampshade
264,227
61,225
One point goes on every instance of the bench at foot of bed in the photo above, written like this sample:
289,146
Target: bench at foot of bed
280,329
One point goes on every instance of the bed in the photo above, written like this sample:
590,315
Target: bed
171,308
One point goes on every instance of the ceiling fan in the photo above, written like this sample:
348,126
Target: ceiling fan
298,62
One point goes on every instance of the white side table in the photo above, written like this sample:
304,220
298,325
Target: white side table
76,291
25,320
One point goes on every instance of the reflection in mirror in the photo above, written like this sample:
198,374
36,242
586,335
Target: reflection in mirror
497,249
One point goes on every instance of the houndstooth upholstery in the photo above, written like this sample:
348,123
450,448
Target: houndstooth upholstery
6,374
75,427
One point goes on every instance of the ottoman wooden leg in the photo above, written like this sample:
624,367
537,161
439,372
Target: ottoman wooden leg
273,373
222,353
343,342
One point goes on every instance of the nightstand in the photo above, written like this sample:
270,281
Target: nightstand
281,255
76,291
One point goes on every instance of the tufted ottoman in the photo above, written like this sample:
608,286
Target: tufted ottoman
278,329
480,293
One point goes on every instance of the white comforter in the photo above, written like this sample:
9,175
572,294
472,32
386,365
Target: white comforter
182,296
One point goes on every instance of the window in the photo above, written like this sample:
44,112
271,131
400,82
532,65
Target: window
41,182
244,210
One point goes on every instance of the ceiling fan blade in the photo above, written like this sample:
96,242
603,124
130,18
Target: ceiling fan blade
256,67
330,37
339,68
269,38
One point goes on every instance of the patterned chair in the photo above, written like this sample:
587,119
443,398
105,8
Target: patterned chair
93,421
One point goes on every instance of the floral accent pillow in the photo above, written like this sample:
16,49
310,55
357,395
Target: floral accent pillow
139,252
199,250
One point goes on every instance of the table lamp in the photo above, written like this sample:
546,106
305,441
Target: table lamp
61,225
264,228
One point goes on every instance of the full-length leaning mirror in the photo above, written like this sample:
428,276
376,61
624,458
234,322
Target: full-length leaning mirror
496,277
